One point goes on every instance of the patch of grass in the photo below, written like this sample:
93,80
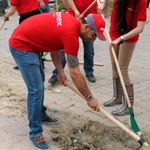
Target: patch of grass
7,95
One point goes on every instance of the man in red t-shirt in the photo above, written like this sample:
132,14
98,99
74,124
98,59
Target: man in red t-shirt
51,32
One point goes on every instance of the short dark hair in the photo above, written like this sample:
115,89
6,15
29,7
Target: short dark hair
83,21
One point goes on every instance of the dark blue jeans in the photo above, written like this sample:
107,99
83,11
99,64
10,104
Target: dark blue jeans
88,58
47,8
63,62
31,69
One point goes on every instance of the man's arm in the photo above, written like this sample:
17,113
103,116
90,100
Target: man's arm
80,82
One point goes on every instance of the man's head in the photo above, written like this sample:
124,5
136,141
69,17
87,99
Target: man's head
94,27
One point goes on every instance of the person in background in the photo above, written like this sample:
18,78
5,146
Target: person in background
25,10
39,34
44,6
127,22
76,8
148,11
148,3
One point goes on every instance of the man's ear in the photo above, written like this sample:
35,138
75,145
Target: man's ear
84,28
87,26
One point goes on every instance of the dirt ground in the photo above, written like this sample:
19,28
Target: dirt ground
75,131
80,128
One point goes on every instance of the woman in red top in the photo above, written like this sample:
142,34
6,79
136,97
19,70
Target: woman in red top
24,8
127,21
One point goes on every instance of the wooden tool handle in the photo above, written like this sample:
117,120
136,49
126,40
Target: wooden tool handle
110,117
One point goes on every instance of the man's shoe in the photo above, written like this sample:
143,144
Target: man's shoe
53,80
16,68
91,78
39,143
51,120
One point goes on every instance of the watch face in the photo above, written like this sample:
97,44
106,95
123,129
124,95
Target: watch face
122,38
89,97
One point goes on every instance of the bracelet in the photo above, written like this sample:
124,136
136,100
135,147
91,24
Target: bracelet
121,40
89,97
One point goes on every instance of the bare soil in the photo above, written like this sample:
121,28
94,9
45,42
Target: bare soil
75,132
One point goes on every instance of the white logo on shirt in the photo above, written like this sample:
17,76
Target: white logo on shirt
130,9
58,19
102,29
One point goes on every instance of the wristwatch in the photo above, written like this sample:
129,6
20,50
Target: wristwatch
122,38
89,97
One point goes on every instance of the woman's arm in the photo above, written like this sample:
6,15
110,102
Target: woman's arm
10,12
139,28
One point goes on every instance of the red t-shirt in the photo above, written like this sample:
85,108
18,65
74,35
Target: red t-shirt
82,5
24,6
46,1
139,15
47,32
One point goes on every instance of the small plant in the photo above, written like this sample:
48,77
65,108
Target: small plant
7,95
